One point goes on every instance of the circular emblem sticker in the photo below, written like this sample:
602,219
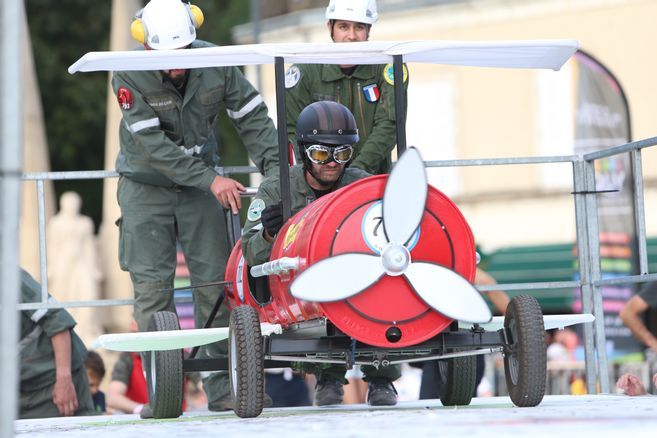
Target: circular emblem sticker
255,210
389,74
372,229
292,76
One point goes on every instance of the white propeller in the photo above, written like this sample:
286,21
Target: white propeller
345,275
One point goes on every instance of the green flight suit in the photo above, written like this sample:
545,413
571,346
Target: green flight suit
257,249
37,357
366,93
167,157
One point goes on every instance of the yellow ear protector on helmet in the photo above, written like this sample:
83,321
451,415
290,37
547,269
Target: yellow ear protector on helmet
139,31
195,14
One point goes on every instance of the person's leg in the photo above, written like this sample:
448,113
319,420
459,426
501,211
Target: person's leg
147,246
481,368
203,237
429,382
147,250
392,372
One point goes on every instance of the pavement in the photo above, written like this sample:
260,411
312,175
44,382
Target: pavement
559,416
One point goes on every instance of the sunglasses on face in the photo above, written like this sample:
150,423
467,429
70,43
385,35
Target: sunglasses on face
320,154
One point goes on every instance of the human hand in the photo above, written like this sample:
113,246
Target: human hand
64,396
227,191
272,219
631,384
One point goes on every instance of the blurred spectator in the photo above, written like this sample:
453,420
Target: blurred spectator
632,385
563,345
561,350
195,397
634,308
95,374
53,381
287,388
128,391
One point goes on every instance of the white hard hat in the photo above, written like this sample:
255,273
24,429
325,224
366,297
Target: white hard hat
360,11
168,24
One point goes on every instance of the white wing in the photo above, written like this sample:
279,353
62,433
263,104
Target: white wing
169,340
548,54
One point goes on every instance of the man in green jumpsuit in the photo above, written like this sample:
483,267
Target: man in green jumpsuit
326,134
367,90
169,192
53,377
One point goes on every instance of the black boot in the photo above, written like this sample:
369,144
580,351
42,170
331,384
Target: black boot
328,391
381,392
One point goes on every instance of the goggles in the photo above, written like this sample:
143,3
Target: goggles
320,154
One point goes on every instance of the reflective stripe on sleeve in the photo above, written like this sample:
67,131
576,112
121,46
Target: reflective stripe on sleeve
40,313
246,108
138,126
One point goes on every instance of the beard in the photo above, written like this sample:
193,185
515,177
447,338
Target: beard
325,183
177,77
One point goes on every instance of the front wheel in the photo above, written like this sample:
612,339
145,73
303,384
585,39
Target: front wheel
246,362
164,371
525,358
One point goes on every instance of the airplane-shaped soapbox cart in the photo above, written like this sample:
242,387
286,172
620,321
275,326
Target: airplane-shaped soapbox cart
379,272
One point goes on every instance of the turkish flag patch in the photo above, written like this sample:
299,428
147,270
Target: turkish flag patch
126,101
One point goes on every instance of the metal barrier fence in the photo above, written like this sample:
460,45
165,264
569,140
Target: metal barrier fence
584,191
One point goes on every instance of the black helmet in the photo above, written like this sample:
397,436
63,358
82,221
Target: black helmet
328,123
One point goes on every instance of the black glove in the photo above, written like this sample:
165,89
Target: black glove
272,219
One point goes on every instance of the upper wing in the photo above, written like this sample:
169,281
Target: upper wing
548,54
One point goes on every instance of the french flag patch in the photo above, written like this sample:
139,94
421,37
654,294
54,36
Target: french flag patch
371,92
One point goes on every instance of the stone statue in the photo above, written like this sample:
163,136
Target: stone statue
73,268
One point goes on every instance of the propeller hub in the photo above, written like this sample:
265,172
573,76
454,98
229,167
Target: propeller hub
395,259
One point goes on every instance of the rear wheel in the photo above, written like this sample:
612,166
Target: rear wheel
165,371
457,378
525,359
246,362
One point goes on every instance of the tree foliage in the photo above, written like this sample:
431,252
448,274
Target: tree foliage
75,105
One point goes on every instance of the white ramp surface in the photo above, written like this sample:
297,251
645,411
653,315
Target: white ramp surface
558,416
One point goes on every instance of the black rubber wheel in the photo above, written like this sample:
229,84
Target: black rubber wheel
246,362
457,378
525,359
165,371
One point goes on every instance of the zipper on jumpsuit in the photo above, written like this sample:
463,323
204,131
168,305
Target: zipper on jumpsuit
360,109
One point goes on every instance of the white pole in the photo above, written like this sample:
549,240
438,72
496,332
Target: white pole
11,17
